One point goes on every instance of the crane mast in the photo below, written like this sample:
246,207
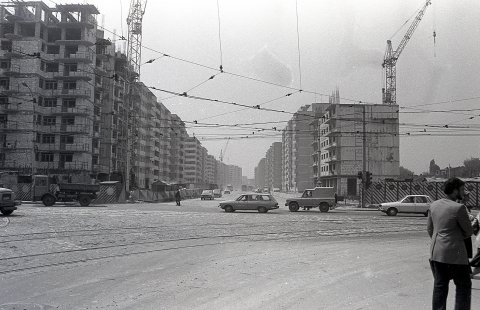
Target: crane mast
389,92
134,52
222,152
134,44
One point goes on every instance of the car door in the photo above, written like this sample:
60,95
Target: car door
241,202
421,204
307,200
252,202
407,205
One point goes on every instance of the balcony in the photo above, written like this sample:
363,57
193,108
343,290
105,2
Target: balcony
87,56
331,159
12,70
86,93
331,145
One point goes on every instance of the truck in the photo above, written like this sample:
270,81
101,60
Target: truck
43,191
323,198
46,189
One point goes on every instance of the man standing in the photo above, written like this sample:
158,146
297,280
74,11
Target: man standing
448,226
178,197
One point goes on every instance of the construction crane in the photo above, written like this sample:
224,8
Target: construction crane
222,152
389,91
134,44
134,53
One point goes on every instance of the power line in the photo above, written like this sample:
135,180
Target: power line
220,38
298,46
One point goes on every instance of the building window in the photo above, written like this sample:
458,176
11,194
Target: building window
53,49
49,120
48,139
68,103
51,67
49,102
71,67
66,157
3,100
71,49
46,157
68,120
66,139
5,64
69,85
5,83
51,84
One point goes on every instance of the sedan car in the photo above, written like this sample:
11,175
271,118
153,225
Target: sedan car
207,194
410,204
259,202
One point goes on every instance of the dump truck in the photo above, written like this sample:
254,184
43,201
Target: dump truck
51,193
323,198
46,189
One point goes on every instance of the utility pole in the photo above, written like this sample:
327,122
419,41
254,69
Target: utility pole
364,157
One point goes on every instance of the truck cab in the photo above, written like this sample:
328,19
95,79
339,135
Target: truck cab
323,198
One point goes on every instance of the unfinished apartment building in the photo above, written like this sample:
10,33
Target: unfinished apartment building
49,104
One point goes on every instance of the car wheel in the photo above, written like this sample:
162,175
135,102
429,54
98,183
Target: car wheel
392,212
48,200
7,212
229,209
262,210
324,207
293,207
84,200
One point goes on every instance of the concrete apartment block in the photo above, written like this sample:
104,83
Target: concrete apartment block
46,89
340,143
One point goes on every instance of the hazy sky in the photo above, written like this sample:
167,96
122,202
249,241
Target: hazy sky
342,44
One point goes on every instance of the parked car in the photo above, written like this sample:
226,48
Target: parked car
259,202
8,204
226,192
410,204
217,193
207,194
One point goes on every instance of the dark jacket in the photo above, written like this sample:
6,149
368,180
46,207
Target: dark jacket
449,226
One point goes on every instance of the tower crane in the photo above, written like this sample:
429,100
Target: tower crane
134,52
222,152
389,91
134,22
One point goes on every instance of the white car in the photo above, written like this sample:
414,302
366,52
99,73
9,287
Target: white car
410,204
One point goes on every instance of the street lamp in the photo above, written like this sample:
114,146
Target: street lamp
34,101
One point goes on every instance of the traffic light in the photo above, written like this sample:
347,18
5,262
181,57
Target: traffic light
368,179
360,175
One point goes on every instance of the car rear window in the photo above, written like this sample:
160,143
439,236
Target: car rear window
7,197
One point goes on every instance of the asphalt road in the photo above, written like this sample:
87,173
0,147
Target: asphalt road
160,256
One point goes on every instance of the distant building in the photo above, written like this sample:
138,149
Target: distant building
260,174
297,140
340,145
273,166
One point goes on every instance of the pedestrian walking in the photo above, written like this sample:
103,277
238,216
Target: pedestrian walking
448,226
178,197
